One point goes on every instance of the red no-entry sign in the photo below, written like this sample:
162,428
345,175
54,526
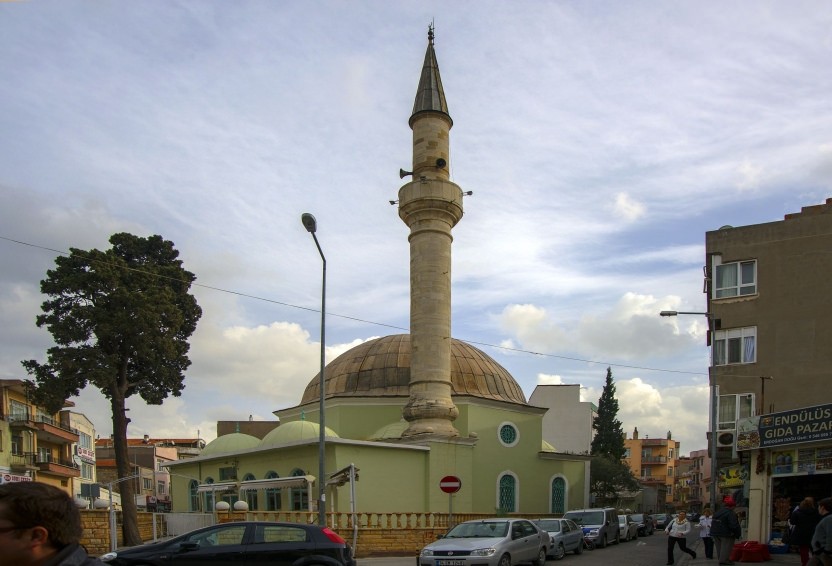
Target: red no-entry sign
450,484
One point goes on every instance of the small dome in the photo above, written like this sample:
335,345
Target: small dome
393,430
233,442
381,368
294,431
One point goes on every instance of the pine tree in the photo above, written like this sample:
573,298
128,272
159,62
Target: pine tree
609,436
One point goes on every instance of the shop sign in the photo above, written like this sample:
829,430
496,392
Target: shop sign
733,476
8,478
85,454
809,424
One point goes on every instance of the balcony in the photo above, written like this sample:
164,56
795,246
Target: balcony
648,459
22,462
53,431
21,421
57,467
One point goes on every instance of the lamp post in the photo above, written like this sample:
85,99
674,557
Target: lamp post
714,399
311,226
112,514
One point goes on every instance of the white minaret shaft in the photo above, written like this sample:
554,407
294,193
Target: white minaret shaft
430,205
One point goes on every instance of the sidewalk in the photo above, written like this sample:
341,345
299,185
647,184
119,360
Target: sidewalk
792,559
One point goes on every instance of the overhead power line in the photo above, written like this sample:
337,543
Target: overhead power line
356,319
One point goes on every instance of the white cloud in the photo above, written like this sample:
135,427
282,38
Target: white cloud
628,207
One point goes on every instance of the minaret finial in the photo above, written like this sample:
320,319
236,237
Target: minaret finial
430,32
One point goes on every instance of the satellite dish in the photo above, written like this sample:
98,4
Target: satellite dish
77,460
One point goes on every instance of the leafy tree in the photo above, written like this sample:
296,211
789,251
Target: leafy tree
121,320
609,436
608,477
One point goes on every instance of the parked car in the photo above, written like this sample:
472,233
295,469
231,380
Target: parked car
600,525
645,524
491,542
243,542
661,520
565,536
628,529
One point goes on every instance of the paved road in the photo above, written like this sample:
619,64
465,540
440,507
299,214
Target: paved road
644,551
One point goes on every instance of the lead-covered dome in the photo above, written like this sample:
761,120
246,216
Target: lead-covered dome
381,368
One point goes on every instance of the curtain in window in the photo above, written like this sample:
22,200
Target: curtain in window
719,353
727,410
748,354
507,494
558,496
726,280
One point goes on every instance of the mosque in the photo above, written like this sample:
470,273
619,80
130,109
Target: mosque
402,412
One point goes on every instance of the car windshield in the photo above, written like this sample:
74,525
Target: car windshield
660,517
622,520
586,517
549,525
478,529
638,518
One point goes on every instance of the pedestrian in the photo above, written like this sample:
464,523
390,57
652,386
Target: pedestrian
725,530
705,532
803,522
822,539
40,525
677,531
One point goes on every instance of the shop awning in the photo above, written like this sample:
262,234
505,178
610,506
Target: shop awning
277,483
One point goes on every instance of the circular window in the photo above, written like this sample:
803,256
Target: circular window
508,434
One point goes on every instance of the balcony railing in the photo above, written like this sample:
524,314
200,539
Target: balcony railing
654,459
22,460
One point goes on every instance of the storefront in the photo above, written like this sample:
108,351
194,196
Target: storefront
791,455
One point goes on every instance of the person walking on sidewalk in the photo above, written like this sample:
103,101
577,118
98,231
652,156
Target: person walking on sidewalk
725,530
705,532
803,522
822,539
677,531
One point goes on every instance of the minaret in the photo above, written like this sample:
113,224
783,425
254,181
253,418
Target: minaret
430,205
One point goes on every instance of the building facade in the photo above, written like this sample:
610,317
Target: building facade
654,462
148,462
771,336
567,425
35,444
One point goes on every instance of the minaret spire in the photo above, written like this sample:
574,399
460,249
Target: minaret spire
430,205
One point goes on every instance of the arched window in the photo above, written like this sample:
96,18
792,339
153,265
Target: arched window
209,497
557,499
251,494
193,495
507,493
299,495
272,494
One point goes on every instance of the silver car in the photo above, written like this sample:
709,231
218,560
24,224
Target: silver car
628,528
565,536
489,542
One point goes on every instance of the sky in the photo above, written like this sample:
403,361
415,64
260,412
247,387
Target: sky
601,140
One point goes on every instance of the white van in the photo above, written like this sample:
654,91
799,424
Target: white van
600,525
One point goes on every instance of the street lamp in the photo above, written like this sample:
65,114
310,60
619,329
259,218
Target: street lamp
712,383
112,514
311,226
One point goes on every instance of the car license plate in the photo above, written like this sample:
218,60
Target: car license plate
450,563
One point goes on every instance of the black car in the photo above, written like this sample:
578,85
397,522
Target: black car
243,542
645,524
662,520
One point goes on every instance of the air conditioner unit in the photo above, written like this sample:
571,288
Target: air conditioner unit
726,438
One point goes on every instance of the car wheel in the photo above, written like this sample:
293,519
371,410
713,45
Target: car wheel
559,552
505,560
541,557
580,548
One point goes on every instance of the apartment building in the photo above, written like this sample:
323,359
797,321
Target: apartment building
35,444
152,483
654,462
770,308
567,426
700,480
